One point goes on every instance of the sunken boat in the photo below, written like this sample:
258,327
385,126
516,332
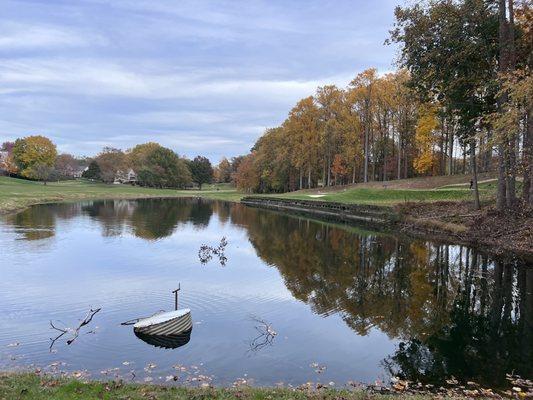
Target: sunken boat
168,330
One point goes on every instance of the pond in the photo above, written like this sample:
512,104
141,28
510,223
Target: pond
346,303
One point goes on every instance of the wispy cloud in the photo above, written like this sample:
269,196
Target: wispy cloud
200,76
96,78
19,36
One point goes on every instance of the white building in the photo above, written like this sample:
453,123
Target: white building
125,177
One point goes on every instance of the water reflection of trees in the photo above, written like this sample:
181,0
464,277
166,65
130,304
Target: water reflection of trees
149,219
489,333
39,222
456,311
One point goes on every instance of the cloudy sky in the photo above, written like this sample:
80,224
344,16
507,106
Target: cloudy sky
201,76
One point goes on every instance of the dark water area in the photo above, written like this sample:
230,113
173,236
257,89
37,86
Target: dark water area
346,303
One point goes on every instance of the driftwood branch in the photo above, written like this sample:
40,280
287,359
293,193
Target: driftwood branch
87,320
266,334
62,332
75,332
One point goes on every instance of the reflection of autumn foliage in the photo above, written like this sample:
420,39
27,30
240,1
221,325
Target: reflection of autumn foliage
405,288
149,219
489,333
456,310
372,280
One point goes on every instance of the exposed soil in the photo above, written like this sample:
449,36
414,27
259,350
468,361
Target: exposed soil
507,233
498,232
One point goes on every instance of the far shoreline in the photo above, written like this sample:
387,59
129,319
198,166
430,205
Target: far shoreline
487,230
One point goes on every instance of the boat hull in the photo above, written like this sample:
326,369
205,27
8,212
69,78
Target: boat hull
166,341
165,324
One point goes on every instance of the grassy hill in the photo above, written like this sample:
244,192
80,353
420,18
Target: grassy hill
16,194
427,189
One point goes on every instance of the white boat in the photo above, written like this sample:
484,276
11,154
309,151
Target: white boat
165,324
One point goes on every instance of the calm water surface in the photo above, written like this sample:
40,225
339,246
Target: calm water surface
347,304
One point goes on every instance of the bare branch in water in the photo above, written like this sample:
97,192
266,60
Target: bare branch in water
205,254
266,334
75,332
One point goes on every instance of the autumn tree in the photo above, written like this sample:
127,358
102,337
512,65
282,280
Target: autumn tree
43,172
7,163
339,169
302,127
426,139
137,156
442,41
224,171
110,161
362,99
164,169
66,165
247,177
33,151
201,170
7,147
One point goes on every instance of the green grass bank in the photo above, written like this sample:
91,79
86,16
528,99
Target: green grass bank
35,387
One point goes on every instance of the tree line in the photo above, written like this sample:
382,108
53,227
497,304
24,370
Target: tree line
152,165
460,102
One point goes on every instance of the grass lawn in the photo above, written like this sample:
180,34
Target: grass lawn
31,386
16,194
389,197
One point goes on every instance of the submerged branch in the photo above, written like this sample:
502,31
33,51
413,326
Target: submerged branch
75,332
266,334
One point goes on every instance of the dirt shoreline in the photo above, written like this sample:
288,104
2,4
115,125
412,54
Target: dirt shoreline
449,222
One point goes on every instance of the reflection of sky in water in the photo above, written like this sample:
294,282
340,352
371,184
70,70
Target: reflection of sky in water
91,257
58,278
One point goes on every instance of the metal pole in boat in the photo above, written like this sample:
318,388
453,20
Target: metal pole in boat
176,296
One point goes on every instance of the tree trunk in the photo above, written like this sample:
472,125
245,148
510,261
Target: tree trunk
329,170
488,154
450,150
527,188
503,67
324,175
399,157
464,159
474,174
309,178
500,198
405,164
301,179
510,174
367,134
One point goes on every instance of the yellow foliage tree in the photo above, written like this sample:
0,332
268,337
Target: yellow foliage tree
33,153
425,139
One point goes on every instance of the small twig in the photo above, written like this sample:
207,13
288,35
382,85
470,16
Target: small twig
87,320
76,332
63,331
266,335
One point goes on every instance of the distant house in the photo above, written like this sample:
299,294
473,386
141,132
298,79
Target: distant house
76,174
128,176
